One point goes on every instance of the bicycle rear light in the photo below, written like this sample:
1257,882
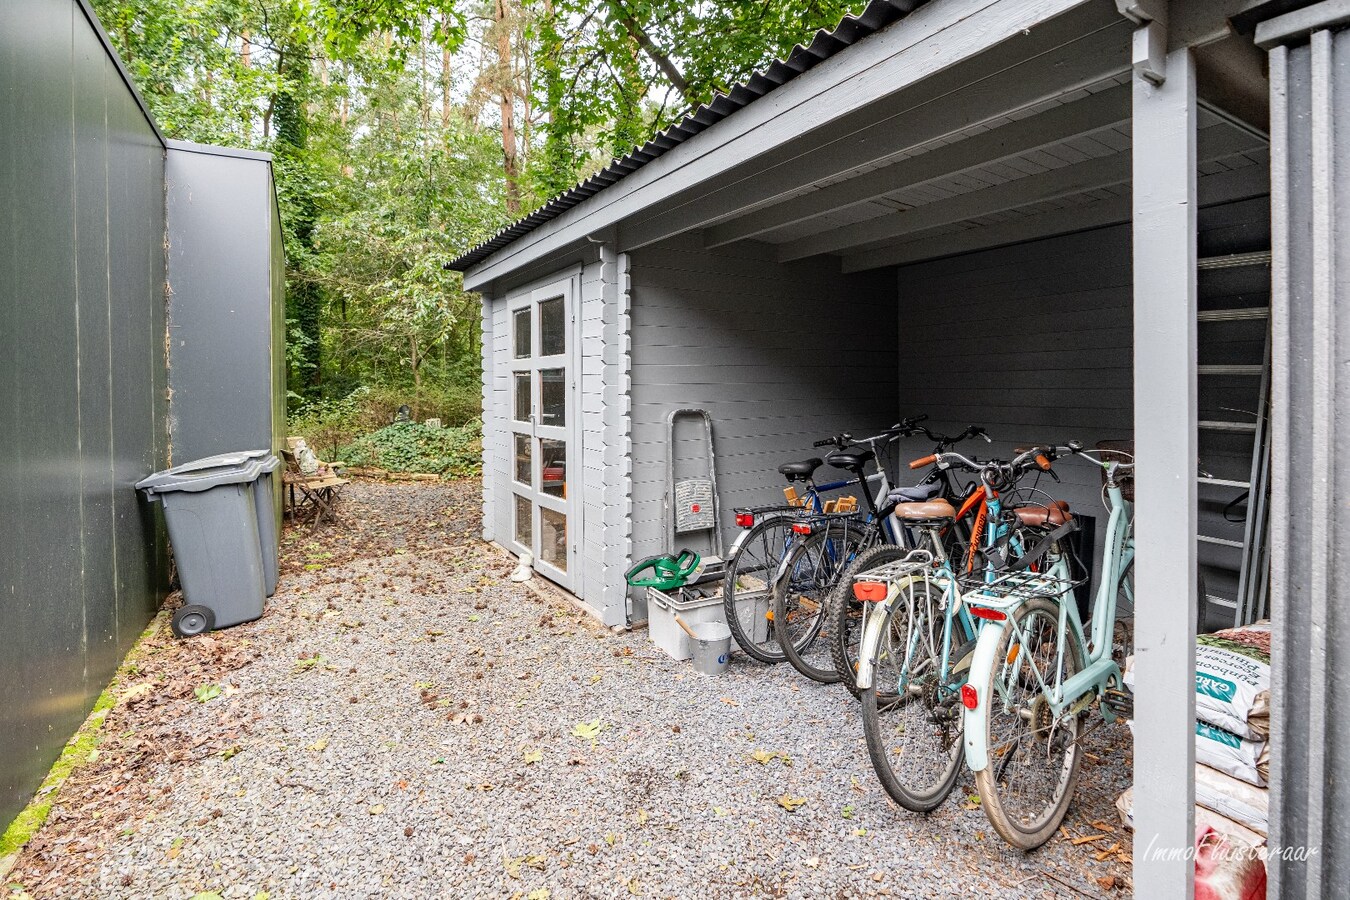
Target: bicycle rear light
990,615
745,519
801,527
969,699
869,591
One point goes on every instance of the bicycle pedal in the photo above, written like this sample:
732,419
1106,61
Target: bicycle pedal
1121,703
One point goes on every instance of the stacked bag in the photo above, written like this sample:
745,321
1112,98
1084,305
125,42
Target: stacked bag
1232,732
1232,702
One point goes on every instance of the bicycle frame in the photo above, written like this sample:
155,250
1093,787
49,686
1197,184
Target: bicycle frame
989,523
1005,597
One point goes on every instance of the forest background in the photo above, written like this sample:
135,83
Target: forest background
405,132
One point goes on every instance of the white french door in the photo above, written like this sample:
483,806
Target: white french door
545,473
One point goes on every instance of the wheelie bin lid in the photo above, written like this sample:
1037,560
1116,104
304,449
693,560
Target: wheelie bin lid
233,458
228,468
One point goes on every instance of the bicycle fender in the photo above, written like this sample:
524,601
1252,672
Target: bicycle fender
977,719
871,640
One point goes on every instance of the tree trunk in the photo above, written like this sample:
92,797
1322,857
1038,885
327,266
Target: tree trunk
446,81
506,84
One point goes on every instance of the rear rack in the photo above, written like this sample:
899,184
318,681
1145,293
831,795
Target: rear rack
1013,588
916,560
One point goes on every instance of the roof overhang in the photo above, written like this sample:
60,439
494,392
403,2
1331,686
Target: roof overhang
931,40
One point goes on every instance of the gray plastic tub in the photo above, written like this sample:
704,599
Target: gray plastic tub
211,513
264,501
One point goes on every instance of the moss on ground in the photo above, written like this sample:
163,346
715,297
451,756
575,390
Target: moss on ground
79,749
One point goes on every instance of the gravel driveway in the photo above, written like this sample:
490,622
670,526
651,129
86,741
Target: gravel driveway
405,722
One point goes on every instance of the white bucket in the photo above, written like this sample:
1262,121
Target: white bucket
712,647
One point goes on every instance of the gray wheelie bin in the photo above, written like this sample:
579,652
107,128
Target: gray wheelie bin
212,517
264,502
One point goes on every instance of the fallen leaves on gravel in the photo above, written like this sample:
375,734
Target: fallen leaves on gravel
764,757
589,731
205,693
305,663
534,861
791,803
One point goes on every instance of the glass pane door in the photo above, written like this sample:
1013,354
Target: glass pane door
543,421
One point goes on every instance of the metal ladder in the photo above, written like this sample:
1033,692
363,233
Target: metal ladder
1251,600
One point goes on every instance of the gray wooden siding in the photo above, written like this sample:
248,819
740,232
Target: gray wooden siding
493,424
1032,341
779,354
1035,342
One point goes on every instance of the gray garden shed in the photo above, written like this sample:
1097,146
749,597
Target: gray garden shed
1055,218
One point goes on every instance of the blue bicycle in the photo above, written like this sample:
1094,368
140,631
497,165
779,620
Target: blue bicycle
771,532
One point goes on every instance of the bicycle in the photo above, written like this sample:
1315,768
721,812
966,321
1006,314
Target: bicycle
829,543
756,556
922,636
1035,674
847,616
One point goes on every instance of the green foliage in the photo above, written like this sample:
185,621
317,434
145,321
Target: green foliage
613,72
405,131
414,447
329,425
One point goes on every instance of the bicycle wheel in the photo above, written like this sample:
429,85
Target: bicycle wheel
747,587
848,616
810,571
1033,759
912,721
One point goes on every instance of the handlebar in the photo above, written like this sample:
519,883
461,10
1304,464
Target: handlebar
905,427
925,461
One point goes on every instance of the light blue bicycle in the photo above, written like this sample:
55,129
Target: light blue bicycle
1036,674
915,653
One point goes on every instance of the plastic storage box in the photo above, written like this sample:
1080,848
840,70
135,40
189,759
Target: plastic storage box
670,637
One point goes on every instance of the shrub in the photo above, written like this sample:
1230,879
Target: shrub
330,425
414,447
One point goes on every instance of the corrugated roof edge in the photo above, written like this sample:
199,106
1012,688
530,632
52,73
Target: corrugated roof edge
877,15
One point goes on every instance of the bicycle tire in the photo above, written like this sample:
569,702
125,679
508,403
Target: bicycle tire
756,553
811,569
908,788
994,784
845,613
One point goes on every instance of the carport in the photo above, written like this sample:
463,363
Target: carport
1028,214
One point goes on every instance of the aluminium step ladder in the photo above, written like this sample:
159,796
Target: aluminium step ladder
1250,601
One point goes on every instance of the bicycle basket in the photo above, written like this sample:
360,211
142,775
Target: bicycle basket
1119,451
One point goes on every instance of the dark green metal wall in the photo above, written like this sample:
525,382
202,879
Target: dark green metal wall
83,378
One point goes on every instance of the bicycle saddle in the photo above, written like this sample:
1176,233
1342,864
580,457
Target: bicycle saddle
919,493
850,461
930,511
800,471
1041,515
